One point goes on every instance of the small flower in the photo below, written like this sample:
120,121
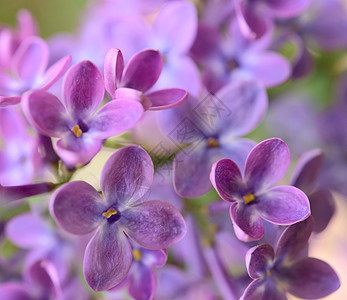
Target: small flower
153,224
276,272
139,75
251,195
80,128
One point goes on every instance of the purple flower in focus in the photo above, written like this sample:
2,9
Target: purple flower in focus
153,224
138,76
305,177
282,270
252,196
80,128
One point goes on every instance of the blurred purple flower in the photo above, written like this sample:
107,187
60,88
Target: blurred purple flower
138,76
81,130
276,272
153,224
251,195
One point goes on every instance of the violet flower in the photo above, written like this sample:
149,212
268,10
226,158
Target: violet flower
252,196
153,224
29,71
276,272
212,129
138,76
80,129
305,177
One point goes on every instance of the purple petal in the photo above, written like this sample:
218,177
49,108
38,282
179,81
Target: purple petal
227,179
168,98
31,58
153,224
176,26
142,282
247,103
28,231
143,70
247,224
287,8
311,278
263,289
283,205
113,70
26,23
155,258
307,170
115,118
77,207
267,163
55,72
12,124
14,290
46,113
259,259
83,89
107,258
5,101
294,239
322,208
127,175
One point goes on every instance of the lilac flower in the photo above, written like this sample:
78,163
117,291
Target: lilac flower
282,270
28,71
251,195
140,280
224,58
305,177
19,158
139,75
211,129
153,224
81,130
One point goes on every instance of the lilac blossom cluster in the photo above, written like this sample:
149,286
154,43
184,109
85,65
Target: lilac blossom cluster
195,200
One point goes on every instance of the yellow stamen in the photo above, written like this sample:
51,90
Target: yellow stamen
137,254
77,131
248,198
212,142
268,272
109,213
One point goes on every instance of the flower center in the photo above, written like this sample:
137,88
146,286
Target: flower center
212,142
137,254
268,272
111,212
249,198
77,131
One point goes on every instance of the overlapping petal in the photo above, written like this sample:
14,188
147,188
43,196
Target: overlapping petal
142,282
168,98
322,208
258,260
113,70
287,8
263,289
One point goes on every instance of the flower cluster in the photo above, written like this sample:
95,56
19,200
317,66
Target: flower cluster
147,154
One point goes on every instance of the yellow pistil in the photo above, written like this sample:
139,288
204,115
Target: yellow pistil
77,131
248,198
109,213
212,142
137,254
268,272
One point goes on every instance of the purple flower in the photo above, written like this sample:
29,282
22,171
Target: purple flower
282,270
138,76
212,129
305,177
252,196
28,71
80,128
153,224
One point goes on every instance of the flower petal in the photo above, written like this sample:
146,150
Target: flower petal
143,70
311,278
115,118
46,113
77,207
153,224
107,258
258,260
283,205
155,258
168,98
83,89
113,70
227,179
247,224
30,59
263,289
142,282
127,176
287,8
266,164
14,290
